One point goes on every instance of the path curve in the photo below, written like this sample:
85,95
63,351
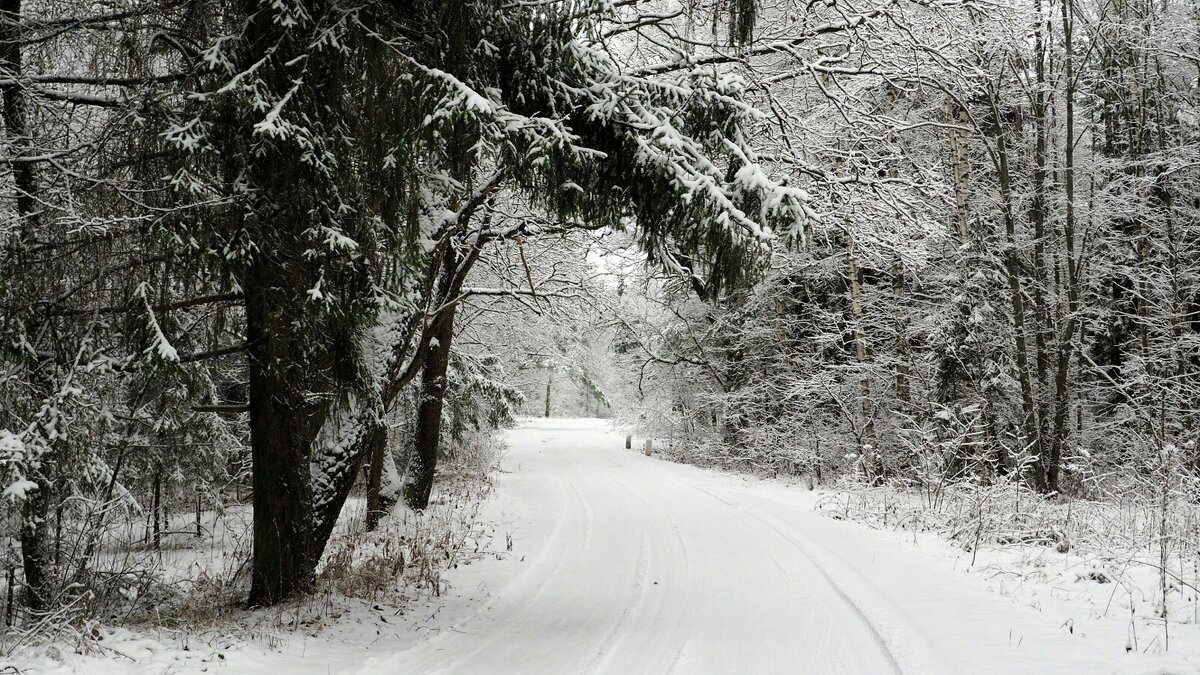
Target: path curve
623,563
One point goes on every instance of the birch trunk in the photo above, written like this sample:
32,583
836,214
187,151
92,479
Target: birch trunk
872,461
961,160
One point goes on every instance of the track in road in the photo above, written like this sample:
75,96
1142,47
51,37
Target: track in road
635,565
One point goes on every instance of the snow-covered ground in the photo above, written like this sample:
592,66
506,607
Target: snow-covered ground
599,559
632,564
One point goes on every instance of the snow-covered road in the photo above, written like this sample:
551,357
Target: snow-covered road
623,563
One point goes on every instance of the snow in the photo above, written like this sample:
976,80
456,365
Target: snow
600,559
10,444
159,345
632,564
19,489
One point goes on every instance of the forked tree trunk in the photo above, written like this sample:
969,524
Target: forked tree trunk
1012,269
418,481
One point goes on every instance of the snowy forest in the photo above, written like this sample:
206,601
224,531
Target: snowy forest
279,277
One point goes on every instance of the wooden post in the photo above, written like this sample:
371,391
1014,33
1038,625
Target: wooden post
649,447
628,441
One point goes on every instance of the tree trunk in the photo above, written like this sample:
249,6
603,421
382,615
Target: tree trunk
58,525
1037,217
379,501
8,605
281,434
156,508
35,546
418,480
961,157
548,379
898,293
35,509
1013,272
901,369
1066,338
872,459
16,127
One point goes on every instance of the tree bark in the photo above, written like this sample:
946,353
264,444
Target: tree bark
1066,338
1037,217
872,459
418,481
378,502
899,290
281,435
35,546
898,293
961,157
1013,272
35,509
156,508
16,126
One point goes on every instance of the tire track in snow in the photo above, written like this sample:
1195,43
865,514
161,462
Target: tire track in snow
734,593
774,535
743,533
924,661
613,641
527,584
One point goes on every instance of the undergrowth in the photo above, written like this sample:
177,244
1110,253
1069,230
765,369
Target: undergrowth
1133,550
194,588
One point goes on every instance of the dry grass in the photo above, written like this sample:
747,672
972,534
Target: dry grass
1142,542
194,588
